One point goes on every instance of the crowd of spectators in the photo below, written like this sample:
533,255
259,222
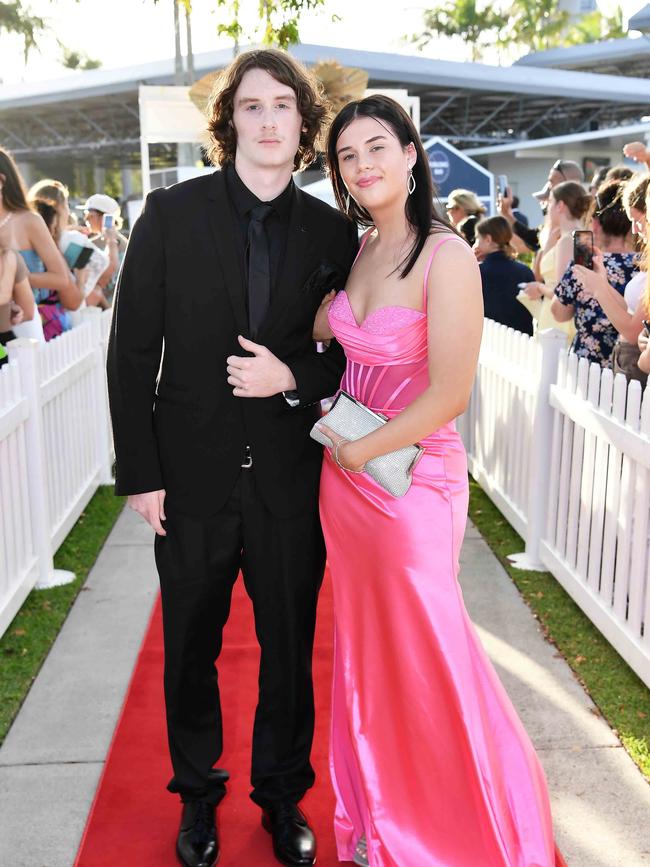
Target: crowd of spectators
602,308
52,264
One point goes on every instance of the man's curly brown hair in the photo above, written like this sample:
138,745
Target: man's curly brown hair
281,66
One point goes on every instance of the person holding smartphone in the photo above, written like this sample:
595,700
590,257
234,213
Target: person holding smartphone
627,312
102,217
595,334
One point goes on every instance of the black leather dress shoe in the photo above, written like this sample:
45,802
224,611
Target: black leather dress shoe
198,844
294,843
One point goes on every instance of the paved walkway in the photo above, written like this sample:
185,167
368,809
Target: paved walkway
52,758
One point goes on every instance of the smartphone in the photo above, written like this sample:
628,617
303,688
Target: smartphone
583,248
502,184
107,221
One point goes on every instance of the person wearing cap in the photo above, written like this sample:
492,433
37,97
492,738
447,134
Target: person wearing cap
560,171
107,239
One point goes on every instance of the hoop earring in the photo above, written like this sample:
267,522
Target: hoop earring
410,183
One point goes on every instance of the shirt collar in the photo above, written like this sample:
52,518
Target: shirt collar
244,200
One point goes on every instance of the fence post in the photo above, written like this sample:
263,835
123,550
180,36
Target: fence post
552,343
26,353
93,316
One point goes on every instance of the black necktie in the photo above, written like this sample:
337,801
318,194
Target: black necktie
259,268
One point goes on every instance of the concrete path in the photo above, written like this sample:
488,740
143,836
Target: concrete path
52,758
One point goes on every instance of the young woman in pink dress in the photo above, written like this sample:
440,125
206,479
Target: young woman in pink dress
430,763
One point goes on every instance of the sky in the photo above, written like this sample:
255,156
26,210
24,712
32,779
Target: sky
127,32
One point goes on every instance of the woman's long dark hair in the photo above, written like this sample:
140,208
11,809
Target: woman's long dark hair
14,195
421,213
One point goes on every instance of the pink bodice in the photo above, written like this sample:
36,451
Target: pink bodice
387,354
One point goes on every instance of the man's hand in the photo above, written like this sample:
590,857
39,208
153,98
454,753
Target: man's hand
263,375
151,506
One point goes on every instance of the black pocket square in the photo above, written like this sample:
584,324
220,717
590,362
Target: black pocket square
325,277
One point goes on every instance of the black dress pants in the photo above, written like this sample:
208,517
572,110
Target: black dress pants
282,561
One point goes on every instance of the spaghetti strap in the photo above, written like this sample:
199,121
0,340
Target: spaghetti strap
437,246
366,235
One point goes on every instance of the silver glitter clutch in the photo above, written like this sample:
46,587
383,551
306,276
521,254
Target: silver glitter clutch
353,420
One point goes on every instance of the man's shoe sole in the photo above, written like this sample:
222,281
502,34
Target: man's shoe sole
182,861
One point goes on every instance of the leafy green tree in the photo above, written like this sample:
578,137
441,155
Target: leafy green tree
279,21
535,25
595,27
15,18
532,25
480,28
77,60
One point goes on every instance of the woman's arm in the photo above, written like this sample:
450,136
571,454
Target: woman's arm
111,250
7,275
56,275
562,312
455,309
596,284
24,298
563,255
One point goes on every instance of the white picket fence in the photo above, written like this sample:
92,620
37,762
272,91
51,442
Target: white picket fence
563,449
55,449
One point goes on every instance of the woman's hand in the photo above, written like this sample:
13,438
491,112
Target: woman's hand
637,151
595,281
322,331
535,290
345,452
642,342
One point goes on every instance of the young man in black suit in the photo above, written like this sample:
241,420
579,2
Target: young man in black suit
222,280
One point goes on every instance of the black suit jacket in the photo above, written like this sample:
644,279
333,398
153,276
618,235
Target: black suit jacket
176,424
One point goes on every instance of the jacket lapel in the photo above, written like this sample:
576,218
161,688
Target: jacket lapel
299,260
221,224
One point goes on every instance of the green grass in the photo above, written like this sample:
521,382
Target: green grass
28,639
620,696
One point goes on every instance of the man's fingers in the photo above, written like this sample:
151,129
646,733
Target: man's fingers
161,497
238,363
158,527
237,381
250,346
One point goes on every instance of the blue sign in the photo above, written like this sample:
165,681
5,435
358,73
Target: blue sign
439,165
451,169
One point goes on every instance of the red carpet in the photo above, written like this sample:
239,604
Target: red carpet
134,820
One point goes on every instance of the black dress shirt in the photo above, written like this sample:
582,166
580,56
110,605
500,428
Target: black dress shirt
276,224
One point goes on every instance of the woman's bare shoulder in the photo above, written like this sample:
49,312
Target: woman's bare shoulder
448,246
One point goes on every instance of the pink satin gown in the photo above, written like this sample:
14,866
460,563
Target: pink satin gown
428,757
